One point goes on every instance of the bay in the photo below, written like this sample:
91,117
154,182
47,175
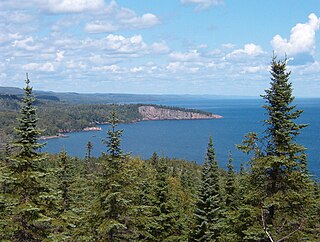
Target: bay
187,139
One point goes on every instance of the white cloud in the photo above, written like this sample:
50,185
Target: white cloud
124,45
145,21
16,16
302,38
46,67
136,69
254,69
203,4
160,47
188,56
99,27
72,6
112,17
117,44
249,50
111,68
5,37
27,44
59,56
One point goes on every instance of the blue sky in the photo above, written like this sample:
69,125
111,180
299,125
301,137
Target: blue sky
216,47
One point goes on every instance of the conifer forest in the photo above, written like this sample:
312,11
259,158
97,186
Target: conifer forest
117,197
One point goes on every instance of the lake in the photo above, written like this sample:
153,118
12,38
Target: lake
188,139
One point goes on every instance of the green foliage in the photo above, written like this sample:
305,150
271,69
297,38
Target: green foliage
25,215
208,207
279,189
114,137
117,197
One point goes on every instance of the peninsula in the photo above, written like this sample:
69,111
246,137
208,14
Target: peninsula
149,112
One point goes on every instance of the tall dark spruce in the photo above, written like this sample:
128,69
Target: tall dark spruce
278,174
26,218
207,212
114,137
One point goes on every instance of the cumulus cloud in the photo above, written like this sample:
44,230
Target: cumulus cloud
254,69
59,56
203,4
27,44
125,45
6,37
160,47
188,56
249,50
117,44
136,69
110,68
114,17
302,38
46,67
72,6
99,27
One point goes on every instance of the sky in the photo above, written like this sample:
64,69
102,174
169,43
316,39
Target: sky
202,47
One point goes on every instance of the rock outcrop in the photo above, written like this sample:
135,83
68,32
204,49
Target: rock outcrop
161,113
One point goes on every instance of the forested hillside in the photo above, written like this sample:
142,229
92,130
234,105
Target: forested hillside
116,197
56,116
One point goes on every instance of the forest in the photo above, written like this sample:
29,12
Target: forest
116,197
56,116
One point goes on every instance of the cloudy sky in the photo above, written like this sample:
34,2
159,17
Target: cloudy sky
218,47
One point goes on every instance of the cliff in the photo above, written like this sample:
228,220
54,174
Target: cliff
162,113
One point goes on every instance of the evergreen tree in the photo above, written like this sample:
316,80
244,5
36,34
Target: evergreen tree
279,186
26,196
89,150
281,128
114,137
166,212
230,184
207,212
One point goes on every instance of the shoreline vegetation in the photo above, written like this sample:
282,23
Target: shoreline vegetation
148,113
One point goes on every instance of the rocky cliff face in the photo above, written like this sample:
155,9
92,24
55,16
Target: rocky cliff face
157,113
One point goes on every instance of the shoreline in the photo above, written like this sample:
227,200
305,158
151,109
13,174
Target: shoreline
62,133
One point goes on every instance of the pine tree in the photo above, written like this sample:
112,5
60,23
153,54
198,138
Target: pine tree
207,212
26,218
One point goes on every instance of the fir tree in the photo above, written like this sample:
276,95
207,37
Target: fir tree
26,218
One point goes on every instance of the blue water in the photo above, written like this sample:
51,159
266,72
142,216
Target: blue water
188,139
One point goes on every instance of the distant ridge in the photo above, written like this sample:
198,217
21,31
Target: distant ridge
103,98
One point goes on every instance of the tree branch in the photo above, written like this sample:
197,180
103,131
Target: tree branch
265,227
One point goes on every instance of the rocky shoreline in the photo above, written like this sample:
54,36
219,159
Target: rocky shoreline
148,113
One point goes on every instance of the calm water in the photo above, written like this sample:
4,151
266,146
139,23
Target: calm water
188,139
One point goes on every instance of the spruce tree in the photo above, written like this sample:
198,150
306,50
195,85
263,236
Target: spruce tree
89,150
207,213
26,218
113,141
230,184
279,185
